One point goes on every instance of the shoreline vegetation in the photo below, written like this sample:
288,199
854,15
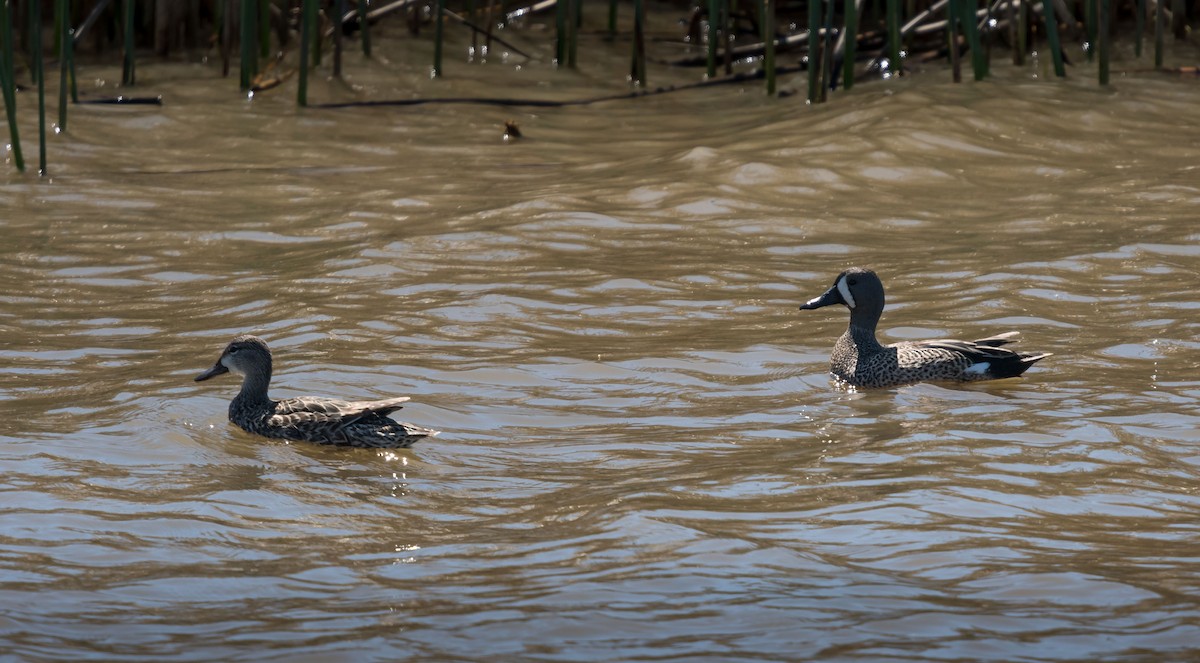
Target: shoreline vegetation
270,42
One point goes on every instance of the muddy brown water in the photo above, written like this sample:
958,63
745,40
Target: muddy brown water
643,456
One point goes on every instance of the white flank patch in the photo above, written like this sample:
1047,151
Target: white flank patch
978,369
845,290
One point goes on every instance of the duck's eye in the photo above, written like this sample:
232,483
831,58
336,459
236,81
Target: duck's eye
852,281
233,351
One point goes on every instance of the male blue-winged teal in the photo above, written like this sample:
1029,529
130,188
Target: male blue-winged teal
860,361
321,420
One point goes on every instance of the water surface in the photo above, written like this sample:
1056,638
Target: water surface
643,456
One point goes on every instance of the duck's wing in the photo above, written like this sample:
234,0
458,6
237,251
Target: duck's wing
987,359
294,411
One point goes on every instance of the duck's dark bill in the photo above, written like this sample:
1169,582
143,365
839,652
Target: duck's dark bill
217,369
831,296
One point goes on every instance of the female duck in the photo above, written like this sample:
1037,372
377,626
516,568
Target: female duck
321,420
860,360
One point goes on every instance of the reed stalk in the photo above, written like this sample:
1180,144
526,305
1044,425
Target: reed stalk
612,17
1139,22
638,70
1105,39
970,28
1089,27
727,35
38,67
575,19
8,82
814,50
714,17
768,11
893,30
1052,40
365,26
491,24
127,71
1010,14
308,26
1159,25
850,35
953,24
439,24
1022,31
827,51
574,16
248,61
264,29
560,32
224,32
470,12
339,16
62,20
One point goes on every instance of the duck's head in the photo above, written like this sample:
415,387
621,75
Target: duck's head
245,355
858,289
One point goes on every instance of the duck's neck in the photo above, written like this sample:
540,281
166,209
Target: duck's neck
254,388
862,327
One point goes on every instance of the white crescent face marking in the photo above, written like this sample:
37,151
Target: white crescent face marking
845,290
227,362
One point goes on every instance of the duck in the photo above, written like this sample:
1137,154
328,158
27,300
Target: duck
307,419
859,360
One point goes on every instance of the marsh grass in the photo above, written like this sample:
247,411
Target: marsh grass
848,41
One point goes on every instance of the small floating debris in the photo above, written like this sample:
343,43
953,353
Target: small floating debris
512,130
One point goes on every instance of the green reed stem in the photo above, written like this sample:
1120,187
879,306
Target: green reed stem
612,17
8,82
814,50
438,32
1139,21
574,15
39,75
1160,22
1105,37
851,36
768,13
970,27
827,50
1052,38
248,65
952,28
893,30
264,29
638,70
365,27
339,13
127,71
560,33
62,20
308,23
1010,15
1089,28
470,16
714,16
1022,32
814,64
727,34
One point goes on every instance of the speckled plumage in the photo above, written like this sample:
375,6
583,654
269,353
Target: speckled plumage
321,420
861,361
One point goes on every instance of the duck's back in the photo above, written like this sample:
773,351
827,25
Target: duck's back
927,361
329,421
